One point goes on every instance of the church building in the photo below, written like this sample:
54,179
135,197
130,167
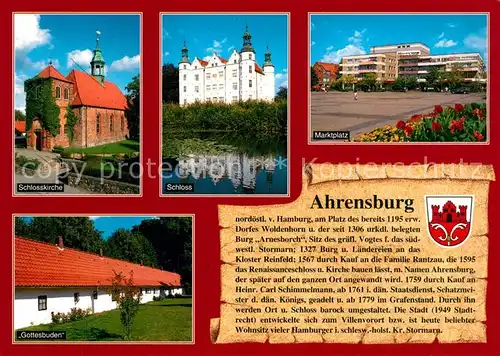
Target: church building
238,78
99,107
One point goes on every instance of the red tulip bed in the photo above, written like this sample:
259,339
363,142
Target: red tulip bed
461,123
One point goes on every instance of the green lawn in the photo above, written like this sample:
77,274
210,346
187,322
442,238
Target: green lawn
167,320
126,146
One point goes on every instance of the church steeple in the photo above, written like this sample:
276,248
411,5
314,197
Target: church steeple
97,62
267,56
184,54
247,42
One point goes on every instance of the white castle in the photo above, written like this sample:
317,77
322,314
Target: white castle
238,78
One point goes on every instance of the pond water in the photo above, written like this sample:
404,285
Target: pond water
206,163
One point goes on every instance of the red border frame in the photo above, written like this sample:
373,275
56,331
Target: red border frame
207,278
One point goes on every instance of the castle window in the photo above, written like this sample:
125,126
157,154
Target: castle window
197,89
185,66
235,73
66,93
235,61
184,89
221,73
42,302
111,123
58,92
221,86
214,86
250,83
98,124
95,294
184,77
235,86
208,87
249,69
235,99
197,77
250,56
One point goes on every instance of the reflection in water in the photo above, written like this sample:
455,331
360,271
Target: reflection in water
232,172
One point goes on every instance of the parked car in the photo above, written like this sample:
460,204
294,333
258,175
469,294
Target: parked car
461,90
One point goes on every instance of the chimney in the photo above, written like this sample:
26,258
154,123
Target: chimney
60,243
100,252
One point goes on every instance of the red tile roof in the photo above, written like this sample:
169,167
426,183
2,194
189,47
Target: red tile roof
330,67
39,264
203,63
89,92
222,60
51,72
258,69
20,126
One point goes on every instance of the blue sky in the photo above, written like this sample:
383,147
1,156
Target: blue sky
336,36
109,224
205,34
57,38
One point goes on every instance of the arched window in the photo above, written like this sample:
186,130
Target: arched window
122,123
58,92
111,123
66,93
98,124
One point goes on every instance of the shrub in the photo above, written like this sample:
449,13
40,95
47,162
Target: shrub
461,123
31,163
58,149
73,315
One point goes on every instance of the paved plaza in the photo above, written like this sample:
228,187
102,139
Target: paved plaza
338,111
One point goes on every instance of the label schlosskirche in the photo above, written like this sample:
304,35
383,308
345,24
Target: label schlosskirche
347,273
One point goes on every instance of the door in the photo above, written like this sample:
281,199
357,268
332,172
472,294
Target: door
39,139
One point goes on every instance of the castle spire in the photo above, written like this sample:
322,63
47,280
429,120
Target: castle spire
97,63
247,41
184,54
267,56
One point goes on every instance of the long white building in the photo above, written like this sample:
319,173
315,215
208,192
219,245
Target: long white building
238,78
54,279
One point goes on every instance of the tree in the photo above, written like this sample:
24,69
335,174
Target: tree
282,93
77,232
433,76
369,80
455,76
19,115
128,299
348,80
133,112
170,83
171,238
314,78
131,246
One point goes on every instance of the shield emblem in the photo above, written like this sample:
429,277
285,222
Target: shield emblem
449,218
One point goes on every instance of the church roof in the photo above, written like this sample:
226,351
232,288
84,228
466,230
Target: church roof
258,69
330,67
51,72
90,92
40,264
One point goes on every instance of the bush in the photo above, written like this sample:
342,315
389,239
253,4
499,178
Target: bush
73,315
462,123
58,149
31,163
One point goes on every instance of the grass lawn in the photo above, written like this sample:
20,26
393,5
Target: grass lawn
166,320
126,146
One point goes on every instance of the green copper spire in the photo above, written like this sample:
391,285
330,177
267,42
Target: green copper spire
267,60
97,62
184,52
247,42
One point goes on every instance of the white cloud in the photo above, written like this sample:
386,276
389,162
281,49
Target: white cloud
28,34
230,48
19,94
281,79
93,218
126,63
441,35
451,25
476,41
216,46
167,54
354,47
444,43
81,57
207,58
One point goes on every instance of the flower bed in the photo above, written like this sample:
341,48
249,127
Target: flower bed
461,123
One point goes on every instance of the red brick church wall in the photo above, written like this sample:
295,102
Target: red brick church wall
86,133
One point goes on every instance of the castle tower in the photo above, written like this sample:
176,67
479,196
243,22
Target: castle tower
184,69
269,85
248,78
97,63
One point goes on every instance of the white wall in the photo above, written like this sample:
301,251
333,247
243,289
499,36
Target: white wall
61,300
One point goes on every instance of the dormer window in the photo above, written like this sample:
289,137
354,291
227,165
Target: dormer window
58,92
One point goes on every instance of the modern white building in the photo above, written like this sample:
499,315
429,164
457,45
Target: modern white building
52,278
238,78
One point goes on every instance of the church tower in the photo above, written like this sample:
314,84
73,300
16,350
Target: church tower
269,86
97,62
247,69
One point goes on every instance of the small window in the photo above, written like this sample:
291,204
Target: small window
148,291
184,77
42,302
235,73
221,74
66,93
221,86
184,89
235,61
235,86
58,92
214,86
185,66
235,99
111,123
208,87
250,83
250,56
76,297
221,99
95,294
98,124
185,101
197,89
197,77
249,69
